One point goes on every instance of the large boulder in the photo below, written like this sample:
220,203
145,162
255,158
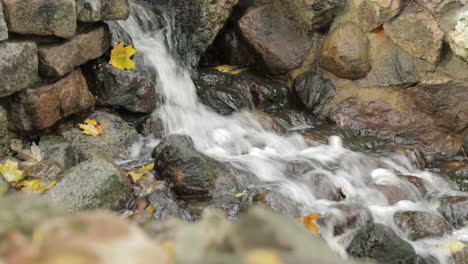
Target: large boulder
312,14
19,66
58,149
314,91
59,59
41,17
116,140
41,107
166,204
92,184
191,172
458,38
345,52
3,26
379,242
281,45
418,33
115,87
98,10
419,225
4,142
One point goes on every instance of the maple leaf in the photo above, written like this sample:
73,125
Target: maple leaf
34,185
120,57
92,128
230,69
141,173
10,171
309,222
31,156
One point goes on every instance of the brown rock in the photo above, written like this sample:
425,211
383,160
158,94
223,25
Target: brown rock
441,6
372,16
418,225
58,60
41,17
345,52
281,45
394,193
418,33
41,107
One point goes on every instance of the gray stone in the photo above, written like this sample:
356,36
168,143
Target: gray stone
58,149
419,225
58,60
314,91
118,34
98,10
458,38
3,26
115,142
4,142
92,184
41,17
18,66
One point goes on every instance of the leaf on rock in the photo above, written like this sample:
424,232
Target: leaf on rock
31,156
309,221
230,69
121,57
10,171
34,185
146,168
262,256
452,247
135,176
240,195
92,127
141,173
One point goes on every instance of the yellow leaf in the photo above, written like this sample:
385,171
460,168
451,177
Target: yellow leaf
146,168
239,195
135,176
34,185
10,171
230,69
453,246
309,222
150,209
262,256
92,128
120,57
237,71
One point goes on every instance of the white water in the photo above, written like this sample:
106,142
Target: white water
240,140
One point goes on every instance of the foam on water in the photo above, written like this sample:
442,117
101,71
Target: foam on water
264,156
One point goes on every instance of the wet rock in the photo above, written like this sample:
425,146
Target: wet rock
281,45
277,202
455,171
314,91
4,140
418,33
23,212
417,182
457,38
321,186
96,238
19,66
197,23
379,242
92,184
115,87
315,14
455,210
390,65
461,256
46,170
58,149
3,26
373,14
40,107
345,52
60,59
166,205
115,142
118,34
41,17
396,193
345,216
228,93
419,225
268,122
191,172
98,10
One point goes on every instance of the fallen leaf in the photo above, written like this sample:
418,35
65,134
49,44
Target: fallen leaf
453,246
239,195
10,171
120,57
262,256
230,69
150,209
92,128
146,168
309,221
34,186
31,156
141,173
135,176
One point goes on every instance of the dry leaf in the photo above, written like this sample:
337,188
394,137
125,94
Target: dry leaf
34,185
31,156
10,171
92,128
262,256
230,69
135,176
120,57
146,168
141,173
453,246
309,221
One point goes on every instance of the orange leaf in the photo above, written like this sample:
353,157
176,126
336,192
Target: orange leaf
309,221
92,128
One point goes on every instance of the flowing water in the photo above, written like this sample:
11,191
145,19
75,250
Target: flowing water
264,155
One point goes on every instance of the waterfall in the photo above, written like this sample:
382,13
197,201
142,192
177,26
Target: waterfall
240,140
